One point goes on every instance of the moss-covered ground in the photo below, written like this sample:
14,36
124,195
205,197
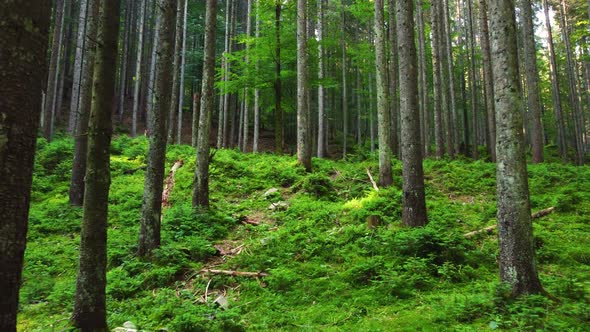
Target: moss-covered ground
329,270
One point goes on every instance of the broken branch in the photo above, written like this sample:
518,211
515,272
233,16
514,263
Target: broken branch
489,229
372,181
235,273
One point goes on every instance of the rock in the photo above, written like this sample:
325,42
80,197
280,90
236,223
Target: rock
129,325
278,206
271,192
222,302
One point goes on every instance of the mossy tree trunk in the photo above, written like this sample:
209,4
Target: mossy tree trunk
23,41
90,299
201,179
151,212
515,229
413,200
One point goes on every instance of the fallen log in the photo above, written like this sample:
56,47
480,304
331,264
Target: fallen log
489,229
235,273
169,183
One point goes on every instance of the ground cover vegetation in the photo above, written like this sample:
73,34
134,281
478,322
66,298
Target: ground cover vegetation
329,267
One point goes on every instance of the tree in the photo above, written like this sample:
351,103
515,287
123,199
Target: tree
488,80
149,233
321,89
76,193
532,78
23,41
413,199
383,116
138,66
90,302
178,40
303,137
515,229
201,179
182,69
77,80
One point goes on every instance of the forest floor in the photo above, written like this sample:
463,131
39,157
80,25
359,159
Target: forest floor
316,263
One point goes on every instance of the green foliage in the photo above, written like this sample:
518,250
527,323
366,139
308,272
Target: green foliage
328,270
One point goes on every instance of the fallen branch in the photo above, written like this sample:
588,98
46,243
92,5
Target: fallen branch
489,229
235,273
250,222
372,181
169,183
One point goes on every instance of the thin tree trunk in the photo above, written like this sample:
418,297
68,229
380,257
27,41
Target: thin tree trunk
413,199
246,124
321,89
76,193
532,78
151,75
473,83
138,67
488,80
303,143
124,59
257,90
423,84
54,69
555,90
371,116
454,119
344,88
149,233
279,128
437,81
182,69
22,74
176,73
393,73
449,91
201,181
90,298
573,86
383,115
79,57
515,229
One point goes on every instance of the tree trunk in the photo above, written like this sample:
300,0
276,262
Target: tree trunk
344,88
303,143
393,73
182,69
437,81
472,83
453,135
138,66
150,82
532,79
246,115
176,73
383,115
413,199
54,70
76,193
149,233
79,57
321,75
573,86
124,59
279,128
257,90
22,72
488,80
90,299
555,90
201,179
515,229
423,84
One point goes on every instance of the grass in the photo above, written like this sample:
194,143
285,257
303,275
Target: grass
328,269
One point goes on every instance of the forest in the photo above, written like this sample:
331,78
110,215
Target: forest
294,165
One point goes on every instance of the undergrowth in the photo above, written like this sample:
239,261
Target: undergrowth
336,254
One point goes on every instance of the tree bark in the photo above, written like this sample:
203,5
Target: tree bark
453,136
125,59
515,229
303,142
201,179
321,89
383,115
149,233
488,80
532,79
473,83
79,57
90,299
23,41
393,74
138,66
76,193
54,70
257,90
423,84
437,81
413,199
182,69
176,73
344,88
279,128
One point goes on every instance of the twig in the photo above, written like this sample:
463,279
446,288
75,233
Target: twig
372,181
235,273
207,290
489,229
